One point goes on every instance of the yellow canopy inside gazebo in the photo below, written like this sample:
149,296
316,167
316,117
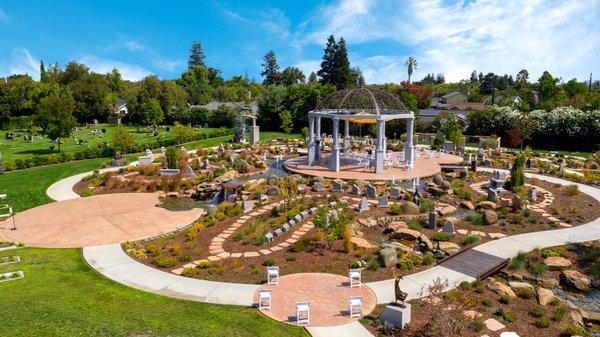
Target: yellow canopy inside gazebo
362,120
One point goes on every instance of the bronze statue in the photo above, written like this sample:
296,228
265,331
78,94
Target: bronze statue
399,295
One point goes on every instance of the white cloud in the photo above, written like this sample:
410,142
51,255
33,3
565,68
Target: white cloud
134,46
132,72
272,20
382,68
22,62
456,38
308,66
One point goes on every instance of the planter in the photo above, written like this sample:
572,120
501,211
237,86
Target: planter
169,172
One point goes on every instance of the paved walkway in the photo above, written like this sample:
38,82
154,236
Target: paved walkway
328,295
63,189
424,167
96,220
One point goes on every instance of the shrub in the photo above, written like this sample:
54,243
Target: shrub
427,259
204,264
537,312
164,262
86,193
558,314
475,218
477,325
425,205
554,302
470,239
185,258
405,264
572,189
542,323
290,258
505,299
268,262
506,315
538,268
518,261
395,209
525,293
576,330
440,236
301,244
172,156
373,265
414,225
189,272
487,302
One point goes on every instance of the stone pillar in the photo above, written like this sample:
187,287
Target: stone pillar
318,137
335,149
254,132
379,154
409,155
384,140
346,136
311,141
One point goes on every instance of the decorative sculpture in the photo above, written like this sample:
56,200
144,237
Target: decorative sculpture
399,295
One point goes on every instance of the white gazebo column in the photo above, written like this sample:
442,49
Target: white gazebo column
318,138
384,140
335,150
311,140
379,154
346,136
409,154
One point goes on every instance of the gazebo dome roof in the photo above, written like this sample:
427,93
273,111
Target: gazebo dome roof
362,100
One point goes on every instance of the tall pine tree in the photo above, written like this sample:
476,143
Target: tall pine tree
342,76
328,63
270,69
196,55
42,72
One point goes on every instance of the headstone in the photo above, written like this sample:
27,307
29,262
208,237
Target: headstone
247,206
395,193
273,180
274,190
529,163
163,150
487,162
370,191
355,189
363,205
532,194
337,186
389,257
492,195
474,165
433,217
395,315
318,187
263,198
206,165
463,174
448,228
383,202
278,232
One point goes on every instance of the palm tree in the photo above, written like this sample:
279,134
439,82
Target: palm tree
411,65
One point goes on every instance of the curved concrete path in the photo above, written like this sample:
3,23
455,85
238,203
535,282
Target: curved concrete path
111,261
63,189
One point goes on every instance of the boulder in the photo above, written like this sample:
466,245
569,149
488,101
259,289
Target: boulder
397,245
370,222
447,210
410,208
557,263
575,279
489,217
501,289
424,239
550,282
467,204
438,179
407,234
520,285
274,191
544,295
361,243
445,185
449,247
487,205
396,225
389,257
435,191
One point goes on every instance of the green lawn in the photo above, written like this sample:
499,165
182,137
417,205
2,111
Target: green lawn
27,188
18,148
62,296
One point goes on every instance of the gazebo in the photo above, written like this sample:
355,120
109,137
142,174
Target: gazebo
359,105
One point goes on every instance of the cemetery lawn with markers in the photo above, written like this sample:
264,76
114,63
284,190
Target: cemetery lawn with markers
61,295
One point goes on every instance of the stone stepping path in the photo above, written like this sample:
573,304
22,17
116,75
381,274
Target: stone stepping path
538,207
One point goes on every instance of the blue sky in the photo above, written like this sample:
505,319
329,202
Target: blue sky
454,38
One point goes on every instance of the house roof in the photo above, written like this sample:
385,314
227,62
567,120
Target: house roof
451,94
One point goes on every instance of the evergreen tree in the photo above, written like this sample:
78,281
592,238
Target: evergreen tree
196,55
356,77
474,78
312,78
342,76
270,69
328,63
42,72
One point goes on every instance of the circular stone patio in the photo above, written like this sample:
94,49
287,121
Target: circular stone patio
96,220
423,167
328,295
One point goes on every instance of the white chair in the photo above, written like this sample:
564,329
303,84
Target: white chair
273,275
355,277
302,312
355,307
265,299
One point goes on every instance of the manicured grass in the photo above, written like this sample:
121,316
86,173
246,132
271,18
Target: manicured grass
18,148
27,188
62,296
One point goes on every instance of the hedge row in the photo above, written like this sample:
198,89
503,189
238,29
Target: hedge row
102,151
